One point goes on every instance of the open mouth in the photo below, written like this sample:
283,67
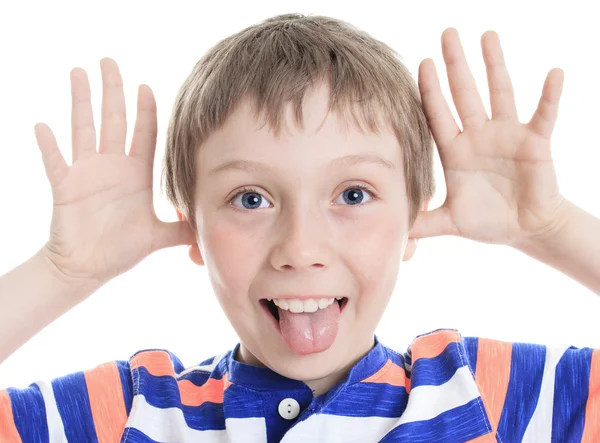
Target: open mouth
270,306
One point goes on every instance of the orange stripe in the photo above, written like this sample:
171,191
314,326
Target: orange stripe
212,391
432,345
487,438
156,362
392,374
106,401
492,373
591,429
8,430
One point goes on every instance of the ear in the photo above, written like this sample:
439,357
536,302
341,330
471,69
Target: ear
194,251
196,255
411,246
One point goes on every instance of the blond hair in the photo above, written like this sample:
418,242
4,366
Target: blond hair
274,63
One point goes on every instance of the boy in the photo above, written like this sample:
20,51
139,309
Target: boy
261,173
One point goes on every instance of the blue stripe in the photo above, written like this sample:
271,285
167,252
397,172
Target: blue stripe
29,413
243,403
471,345
197,378
395,357
571,386
207,416
460,424
369,364
524,384
208,361
73,404
369,400
163,392
438,370
178,366
126,383
136,436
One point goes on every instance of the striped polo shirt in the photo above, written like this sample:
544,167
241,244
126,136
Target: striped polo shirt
444,388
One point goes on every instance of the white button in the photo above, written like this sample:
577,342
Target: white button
289,408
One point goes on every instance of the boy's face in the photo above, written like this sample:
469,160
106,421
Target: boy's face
299,231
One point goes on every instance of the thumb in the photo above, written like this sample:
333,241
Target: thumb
168,234
433,224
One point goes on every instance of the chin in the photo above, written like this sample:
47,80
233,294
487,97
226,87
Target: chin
313,366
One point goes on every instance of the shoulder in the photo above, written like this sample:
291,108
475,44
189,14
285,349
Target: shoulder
536,390
161,378
99,400
531,391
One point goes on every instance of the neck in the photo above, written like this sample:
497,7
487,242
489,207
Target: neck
318,386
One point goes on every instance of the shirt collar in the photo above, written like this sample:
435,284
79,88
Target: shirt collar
260,378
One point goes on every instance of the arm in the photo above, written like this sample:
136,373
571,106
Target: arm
32,296
103,222
573,248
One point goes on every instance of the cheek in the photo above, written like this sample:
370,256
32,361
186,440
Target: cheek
376,239
375,252
230,255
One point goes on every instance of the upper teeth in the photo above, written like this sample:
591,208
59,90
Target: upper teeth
296,305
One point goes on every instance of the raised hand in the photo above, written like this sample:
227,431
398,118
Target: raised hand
103,220
500,180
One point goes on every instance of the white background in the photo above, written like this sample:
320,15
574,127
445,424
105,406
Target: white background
167,301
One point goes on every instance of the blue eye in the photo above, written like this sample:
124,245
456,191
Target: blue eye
249,197
252,199
355,193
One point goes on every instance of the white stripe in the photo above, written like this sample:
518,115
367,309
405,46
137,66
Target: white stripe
424,403
169,425
540,427
56,429
205,368
340,429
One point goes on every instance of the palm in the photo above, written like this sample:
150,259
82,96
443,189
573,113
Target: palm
489,181
103,222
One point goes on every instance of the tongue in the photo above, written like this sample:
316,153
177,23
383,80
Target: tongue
308,332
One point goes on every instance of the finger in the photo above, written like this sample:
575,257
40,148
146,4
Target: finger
83,133
439,116
114,120
462,84
143,142
433,224
544,118
173,234
54,163
502,98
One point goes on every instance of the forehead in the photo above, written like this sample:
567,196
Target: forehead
322,137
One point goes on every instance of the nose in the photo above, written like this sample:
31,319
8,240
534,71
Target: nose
304,239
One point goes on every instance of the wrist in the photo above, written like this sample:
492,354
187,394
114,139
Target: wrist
552,233
70,285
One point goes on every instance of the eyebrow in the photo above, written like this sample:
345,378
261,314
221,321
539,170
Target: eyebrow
348,160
